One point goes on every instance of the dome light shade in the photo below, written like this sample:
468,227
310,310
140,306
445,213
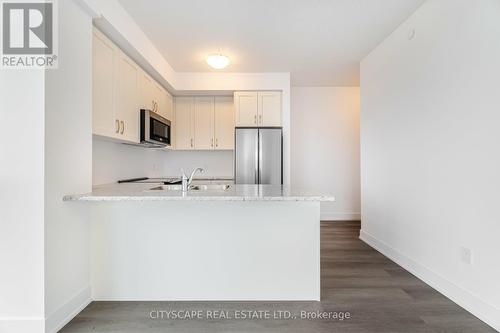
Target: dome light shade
217,61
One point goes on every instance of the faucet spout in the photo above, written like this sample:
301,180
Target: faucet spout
201,170
186,181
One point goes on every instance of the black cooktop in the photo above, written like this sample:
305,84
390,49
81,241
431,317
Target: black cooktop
165,181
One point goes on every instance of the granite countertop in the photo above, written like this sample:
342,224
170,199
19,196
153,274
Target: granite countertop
143,192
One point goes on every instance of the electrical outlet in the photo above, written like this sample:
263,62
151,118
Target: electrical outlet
466,255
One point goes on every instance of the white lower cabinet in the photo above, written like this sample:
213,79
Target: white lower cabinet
204,123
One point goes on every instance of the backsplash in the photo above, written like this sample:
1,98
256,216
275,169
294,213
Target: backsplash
113,161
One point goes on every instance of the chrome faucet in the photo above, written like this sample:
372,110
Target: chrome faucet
186,181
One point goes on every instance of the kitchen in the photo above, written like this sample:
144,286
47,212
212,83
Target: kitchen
302,167
204,125
129,107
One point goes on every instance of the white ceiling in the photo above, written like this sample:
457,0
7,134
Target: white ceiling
320,42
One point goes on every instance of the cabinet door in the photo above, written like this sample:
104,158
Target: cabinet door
204,123
184,118
169,105
147,90
159,99
269,108
224,123
127,97
103,73
246,106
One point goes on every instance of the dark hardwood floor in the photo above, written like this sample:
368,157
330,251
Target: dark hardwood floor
379,295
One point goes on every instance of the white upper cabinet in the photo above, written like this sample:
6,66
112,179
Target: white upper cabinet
163,102
224,123
103,72
159,100
204,123
246,106
269,108
183,125
127,98
115,111
255,109
154,97
168,103
147,90
120,88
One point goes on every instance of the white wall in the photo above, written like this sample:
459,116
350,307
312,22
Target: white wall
68,169
113,161
325,147
44,242
429,149
21,201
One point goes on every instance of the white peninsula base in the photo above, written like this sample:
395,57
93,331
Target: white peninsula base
205,250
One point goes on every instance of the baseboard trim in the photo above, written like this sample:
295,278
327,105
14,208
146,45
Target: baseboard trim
60,317
334,216
467,300
22,324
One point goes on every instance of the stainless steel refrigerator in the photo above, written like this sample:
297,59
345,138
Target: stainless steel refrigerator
258,156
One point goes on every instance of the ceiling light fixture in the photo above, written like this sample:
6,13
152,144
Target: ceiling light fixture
217,61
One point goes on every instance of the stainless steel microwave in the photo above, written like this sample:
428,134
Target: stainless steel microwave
155,130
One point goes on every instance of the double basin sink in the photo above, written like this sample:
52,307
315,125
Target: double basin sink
214,187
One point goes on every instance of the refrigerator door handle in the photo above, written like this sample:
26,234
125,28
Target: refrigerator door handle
260,156
257,157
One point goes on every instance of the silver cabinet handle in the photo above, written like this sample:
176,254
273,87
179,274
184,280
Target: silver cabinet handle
260,118
117,122
191,142
153,104
216,142
212,142
255,119
123,127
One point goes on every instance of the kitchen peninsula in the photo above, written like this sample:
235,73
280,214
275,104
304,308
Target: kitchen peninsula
237,242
